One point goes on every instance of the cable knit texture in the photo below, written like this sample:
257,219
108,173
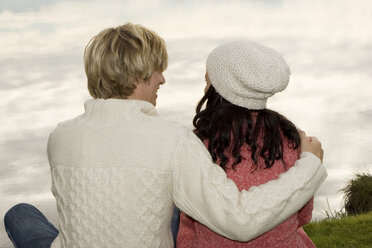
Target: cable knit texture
245,175
118,168
247,73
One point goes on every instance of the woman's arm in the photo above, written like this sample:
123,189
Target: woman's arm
305,214
202,190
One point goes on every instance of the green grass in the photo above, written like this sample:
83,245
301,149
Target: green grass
350,232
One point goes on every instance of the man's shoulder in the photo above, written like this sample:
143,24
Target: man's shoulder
169,127
64,126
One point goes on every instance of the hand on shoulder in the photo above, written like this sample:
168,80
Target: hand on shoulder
311,144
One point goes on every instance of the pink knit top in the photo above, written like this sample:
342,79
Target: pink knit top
288,234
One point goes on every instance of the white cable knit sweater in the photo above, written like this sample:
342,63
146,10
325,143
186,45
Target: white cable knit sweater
118,168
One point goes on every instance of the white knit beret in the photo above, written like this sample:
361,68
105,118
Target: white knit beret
246,73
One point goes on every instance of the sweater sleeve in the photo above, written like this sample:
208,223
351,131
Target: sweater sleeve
202,190
305,214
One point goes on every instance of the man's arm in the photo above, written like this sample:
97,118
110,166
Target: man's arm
202,190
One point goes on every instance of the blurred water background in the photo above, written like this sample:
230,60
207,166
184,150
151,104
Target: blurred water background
327,43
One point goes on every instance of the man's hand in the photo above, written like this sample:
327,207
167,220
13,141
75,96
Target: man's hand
311,144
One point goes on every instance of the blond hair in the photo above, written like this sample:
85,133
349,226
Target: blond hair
117,58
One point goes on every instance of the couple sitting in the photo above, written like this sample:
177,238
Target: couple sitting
119,168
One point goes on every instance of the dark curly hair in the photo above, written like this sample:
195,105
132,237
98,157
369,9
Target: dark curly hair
228,127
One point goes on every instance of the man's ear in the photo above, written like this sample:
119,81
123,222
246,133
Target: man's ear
141,82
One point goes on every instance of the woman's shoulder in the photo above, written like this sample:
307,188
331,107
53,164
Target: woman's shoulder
290,153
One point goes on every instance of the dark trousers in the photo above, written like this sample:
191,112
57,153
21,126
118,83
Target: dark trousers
175,224
27,227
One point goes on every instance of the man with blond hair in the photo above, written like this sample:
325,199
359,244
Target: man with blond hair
119,168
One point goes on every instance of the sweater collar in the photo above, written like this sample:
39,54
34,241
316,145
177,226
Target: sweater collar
119,106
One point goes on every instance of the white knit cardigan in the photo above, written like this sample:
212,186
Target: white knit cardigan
118,168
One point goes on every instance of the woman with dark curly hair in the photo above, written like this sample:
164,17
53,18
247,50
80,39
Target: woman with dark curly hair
251,143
